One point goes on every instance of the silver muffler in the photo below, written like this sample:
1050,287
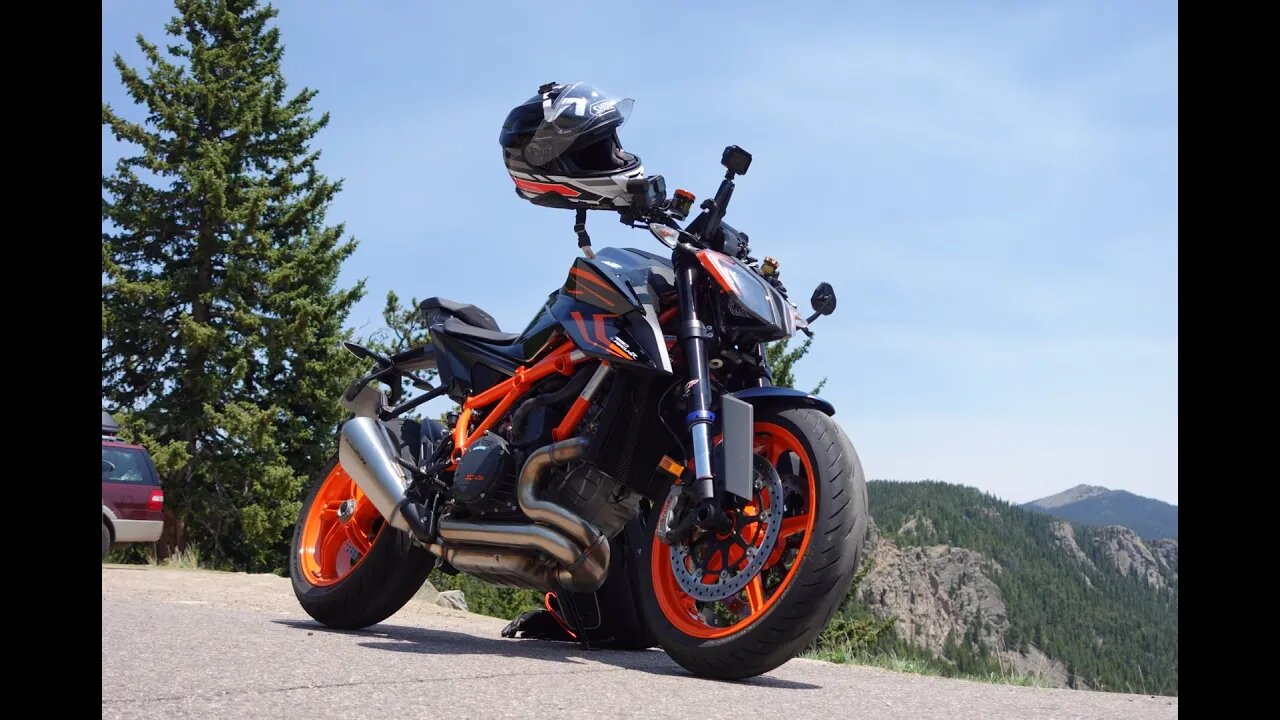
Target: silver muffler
365,452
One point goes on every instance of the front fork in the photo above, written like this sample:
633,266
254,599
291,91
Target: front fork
692,336
736,423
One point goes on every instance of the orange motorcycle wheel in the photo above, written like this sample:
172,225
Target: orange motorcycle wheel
821,520
350,569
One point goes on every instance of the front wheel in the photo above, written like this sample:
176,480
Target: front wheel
349,568
792,551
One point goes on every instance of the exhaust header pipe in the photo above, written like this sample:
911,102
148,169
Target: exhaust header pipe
577,547
579,552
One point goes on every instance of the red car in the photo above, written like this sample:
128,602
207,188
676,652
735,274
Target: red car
132,501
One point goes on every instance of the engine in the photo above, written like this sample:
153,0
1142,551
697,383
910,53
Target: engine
485,482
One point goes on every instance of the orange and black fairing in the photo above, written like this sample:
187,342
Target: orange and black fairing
589,285
610,311
608,308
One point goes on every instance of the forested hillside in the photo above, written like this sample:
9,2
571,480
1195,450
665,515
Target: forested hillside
1096,599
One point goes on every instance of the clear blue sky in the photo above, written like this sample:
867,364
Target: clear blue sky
991,188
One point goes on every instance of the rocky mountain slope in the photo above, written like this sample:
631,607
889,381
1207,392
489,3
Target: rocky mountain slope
940,593
1098,506
967,575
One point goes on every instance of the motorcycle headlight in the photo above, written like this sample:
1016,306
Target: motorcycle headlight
751,291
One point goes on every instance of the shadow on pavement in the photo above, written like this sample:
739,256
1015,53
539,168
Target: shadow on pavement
429,641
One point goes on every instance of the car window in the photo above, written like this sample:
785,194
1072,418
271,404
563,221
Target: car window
130,466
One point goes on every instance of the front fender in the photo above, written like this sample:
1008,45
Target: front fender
773,395
737,419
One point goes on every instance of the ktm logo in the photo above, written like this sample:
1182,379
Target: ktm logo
472,477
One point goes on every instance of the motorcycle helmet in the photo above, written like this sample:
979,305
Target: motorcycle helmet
562,150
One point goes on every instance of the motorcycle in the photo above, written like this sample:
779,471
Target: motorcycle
639,395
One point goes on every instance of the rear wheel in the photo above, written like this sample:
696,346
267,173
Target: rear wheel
742,602
349,568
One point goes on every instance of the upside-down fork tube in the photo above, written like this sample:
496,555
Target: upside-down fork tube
692,338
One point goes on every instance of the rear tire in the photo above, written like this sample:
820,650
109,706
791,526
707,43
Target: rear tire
792,613
373,590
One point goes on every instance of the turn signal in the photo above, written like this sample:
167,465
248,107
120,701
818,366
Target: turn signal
671,467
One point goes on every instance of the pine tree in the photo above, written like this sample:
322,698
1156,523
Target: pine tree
782,362
221,319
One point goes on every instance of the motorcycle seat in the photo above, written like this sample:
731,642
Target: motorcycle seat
456,327
436,309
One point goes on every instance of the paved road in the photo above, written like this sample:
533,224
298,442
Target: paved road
181,643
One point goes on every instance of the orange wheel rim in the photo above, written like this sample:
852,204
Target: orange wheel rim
341,527
688,615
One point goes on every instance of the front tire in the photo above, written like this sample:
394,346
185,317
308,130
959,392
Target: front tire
354,573
106,539
805,578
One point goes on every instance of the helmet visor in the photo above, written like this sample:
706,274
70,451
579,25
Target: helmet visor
578,110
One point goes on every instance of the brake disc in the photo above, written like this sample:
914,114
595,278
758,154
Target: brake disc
691,561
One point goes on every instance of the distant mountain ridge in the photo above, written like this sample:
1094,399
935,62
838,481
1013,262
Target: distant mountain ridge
982,583
1067,497
1151,519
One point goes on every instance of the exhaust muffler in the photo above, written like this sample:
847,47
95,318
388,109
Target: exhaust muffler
365,452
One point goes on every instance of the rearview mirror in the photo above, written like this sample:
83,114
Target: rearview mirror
107,468
823,300
736,160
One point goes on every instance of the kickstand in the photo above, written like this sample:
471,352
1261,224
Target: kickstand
569,607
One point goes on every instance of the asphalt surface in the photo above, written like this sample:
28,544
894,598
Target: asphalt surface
232,645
